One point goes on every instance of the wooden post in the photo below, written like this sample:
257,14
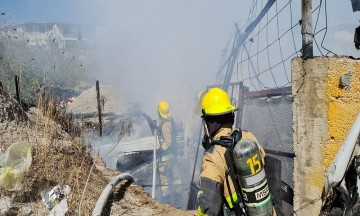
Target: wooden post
99,106
1,87
154,165
306,29
17,88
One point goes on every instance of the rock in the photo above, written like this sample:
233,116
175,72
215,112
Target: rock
25,210
5,205
345,81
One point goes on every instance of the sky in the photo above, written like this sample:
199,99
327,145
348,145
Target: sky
169,50
152,50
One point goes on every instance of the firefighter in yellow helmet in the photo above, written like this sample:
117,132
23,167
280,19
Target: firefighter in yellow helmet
169,150
217,195
166,125
164,109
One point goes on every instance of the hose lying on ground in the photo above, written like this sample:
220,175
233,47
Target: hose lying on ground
100,204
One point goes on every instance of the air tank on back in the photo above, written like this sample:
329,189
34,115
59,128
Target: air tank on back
252,178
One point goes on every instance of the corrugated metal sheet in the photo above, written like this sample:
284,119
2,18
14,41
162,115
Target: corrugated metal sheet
141,144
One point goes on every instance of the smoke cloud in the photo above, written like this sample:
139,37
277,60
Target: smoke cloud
161,50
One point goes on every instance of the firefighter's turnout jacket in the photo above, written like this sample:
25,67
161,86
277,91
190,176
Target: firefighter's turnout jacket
214,190
167,157
166,135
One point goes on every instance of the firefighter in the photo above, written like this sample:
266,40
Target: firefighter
168,153
214,197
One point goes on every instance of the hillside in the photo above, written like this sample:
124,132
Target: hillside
59,158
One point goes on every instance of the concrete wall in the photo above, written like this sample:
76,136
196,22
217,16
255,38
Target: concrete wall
326,92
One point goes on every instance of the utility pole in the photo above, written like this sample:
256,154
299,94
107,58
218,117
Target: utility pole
306,29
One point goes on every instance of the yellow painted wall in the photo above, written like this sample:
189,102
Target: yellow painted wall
343,105
323,113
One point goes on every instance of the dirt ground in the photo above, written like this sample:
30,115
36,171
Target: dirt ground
131,199
59,158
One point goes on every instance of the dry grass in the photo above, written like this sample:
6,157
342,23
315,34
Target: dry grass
58,158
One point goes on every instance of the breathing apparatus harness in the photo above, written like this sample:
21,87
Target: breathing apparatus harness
229,142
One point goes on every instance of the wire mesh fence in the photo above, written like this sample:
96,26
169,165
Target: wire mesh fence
259,55
270,120
260,51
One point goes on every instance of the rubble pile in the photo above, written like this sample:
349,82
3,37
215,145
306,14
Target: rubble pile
113,111
86,103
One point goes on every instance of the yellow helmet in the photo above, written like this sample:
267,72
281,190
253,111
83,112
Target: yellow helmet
164,109
216,102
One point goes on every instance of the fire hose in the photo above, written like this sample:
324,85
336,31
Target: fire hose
100,204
